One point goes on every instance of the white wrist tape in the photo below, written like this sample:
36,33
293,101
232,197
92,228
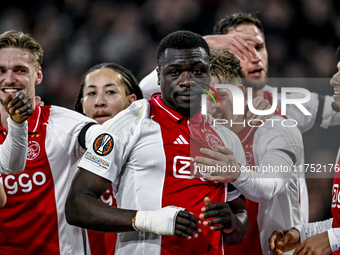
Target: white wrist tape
161,222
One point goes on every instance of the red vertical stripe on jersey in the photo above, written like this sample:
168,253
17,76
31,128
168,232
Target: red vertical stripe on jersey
179,188
28,222
252,241
336,199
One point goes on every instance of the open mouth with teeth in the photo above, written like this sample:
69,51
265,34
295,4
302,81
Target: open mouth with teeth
256,73
336,94
11,91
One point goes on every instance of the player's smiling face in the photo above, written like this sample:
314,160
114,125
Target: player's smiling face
335,82
178,73
18,73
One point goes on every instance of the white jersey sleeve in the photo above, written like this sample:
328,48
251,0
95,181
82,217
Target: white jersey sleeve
231,140
75,124
276,149
14,149
111,143
314,228
319,106
149,85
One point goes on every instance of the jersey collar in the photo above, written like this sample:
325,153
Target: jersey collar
34,122
172,114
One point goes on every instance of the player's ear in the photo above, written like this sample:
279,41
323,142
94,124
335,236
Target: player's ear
131,98
82,105
158,76
39,77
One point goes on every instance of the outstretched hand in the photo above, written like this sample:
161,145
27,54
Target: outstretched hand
187,225
223,217
239,44
19,108
317,244
221,165
283,240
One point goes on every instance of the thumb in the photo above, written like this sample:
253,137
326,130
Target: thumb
207,201
7,99
284,240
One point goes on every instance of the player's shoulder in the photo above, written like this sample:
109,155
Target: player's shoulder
228,136
136,113
67,114
277,126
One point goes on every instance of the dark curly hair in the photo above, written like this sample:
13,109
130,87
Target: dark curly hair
181,39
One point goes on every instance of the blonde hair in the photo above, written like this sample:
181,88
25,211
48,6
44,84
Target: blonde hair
225,65
24,41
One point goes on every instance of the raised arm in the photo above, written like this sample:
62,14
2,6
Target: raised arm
14,149
236,43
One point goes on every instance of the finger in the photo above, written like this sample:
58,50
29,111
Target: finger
215,206
245,48
188,216
206,161
21,106
24,108
221,155
207,201
220,215
225,150
237,52
250,42
209,152
300,250
217,178
287,238
184,231
18,97
272,240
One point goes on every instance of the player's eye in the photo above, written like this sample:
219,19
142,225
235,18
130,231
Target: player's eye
91,93
197,71
174,72
20,71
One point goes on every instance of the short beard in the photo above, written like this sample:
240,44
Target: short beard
335,107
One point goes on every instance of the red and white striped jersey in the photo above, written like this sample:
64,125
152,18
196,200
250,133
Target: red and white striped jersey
336,199
33,219
150,164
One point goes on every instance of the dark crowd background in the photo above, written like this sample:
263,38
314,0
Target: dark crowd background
301,36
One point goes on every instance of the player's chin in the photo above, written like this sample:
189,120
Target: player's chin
336,105
255,83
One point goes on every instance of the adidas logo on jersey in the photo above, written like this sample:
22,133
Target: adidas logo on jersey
181,140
